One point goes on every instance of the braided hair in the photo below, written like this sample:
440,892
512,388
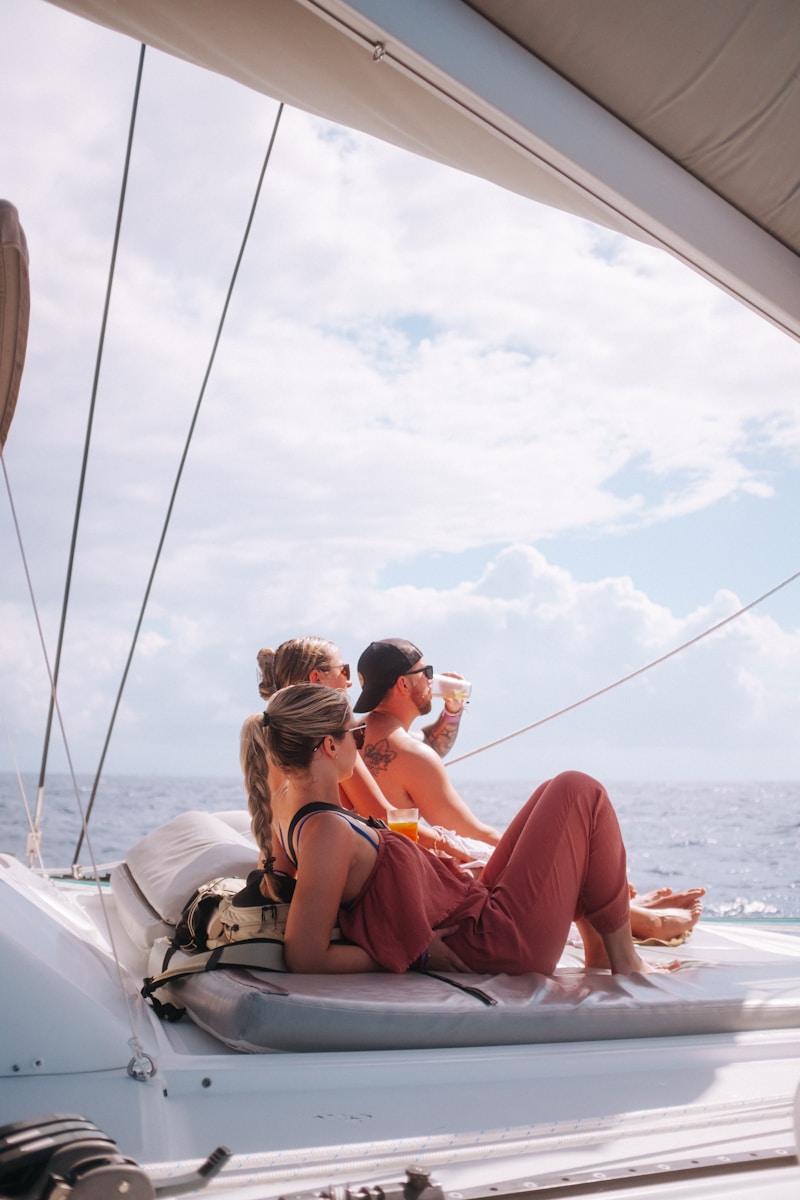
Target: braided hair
297,720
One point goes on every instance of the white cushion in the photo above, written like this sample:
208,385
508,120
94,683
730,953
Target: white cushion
170,863
238,819
139,919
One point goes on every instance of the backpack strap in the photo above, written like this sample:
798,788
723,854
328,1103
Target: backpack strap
470,990
261,954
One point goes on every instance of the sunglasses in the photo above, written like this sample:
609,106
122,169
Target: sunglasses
342,668
426,671
358,732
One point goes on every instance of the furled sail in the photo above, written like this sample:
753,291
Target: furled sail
14,311
674,123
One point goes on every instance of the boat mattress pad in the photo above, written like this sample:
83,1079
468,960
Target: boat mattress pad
732,978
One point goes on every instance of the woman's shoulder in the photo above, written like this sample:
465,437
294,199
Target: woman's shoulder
366,827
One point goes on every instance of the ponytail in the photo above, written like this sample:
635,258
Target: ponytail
253,759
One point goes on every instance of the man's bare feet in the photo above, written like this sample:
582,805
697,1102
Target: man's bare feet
664,924
666,898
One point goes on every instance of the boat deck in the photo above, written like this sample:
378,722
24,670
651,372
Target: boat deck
475,1115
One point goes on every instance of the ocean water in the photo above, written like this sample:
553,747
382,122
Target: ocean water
739,840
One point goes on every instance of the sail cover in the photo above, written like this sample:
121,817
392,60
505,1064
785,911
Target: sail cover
678,124
14,311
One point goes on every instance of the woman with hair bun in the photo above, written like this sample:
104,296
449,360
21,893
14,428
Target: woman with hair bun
302,660
561,859
317,660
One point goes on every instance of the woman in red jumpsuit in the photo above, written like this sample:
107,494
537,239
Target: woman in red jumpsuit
562,859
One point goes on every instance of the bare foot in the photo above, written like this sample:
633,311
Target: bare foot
664,924
648,897
599,961
666,898
623,957
648,968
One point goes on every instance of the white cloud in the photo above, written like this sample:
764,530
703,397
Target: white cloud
414,364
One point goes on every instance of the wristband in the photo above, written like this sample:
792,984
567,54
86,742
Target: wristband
419,964
453,716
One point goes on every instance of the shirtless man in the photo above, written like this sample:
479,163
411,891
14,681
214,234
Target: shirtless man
396,690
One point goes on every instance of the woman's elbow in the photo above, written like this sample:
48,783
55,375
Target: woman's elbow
301,959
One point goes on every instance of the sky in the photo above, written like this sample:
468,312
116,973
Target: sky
546,454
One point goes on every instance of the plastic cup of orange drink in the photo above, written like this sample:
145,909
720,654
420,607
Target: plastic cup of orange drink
405,821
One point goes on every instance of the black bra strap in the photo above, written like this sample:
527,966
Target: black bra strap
305,811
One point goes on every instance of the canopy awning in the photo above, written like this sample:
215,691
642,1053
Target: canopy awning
678,124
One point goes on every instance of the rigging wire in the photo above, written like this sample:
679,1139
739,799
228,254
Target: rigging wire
179,475
33,845
141,1064
87,442
626,678
51,676
34,836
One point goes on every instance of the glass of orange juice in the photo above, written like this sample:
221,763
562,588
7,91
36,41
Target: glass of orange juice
405,821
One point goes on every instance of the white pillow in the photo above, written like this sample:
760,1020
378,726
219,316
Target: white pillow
139,919
170,863
238,819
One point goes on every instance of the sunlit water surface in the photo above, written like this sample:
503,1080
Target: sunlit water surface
741,840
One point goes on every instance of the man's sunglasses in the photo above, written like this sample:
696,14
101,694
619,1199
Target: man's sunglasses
426,671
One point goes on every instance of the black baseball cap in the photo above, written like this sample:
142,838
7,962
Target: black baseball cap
380,666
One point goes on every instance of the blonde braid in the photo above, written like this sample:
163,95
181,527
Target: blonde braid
253,759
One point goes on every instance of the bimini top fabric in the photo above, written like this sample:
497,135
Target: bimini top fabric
674,123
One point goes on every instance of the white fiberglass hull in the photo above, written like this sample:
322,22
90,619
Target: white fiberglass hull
474,1115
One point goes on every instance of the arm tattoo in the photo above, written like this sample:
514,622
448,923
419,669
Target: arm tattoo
378,755
441,735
